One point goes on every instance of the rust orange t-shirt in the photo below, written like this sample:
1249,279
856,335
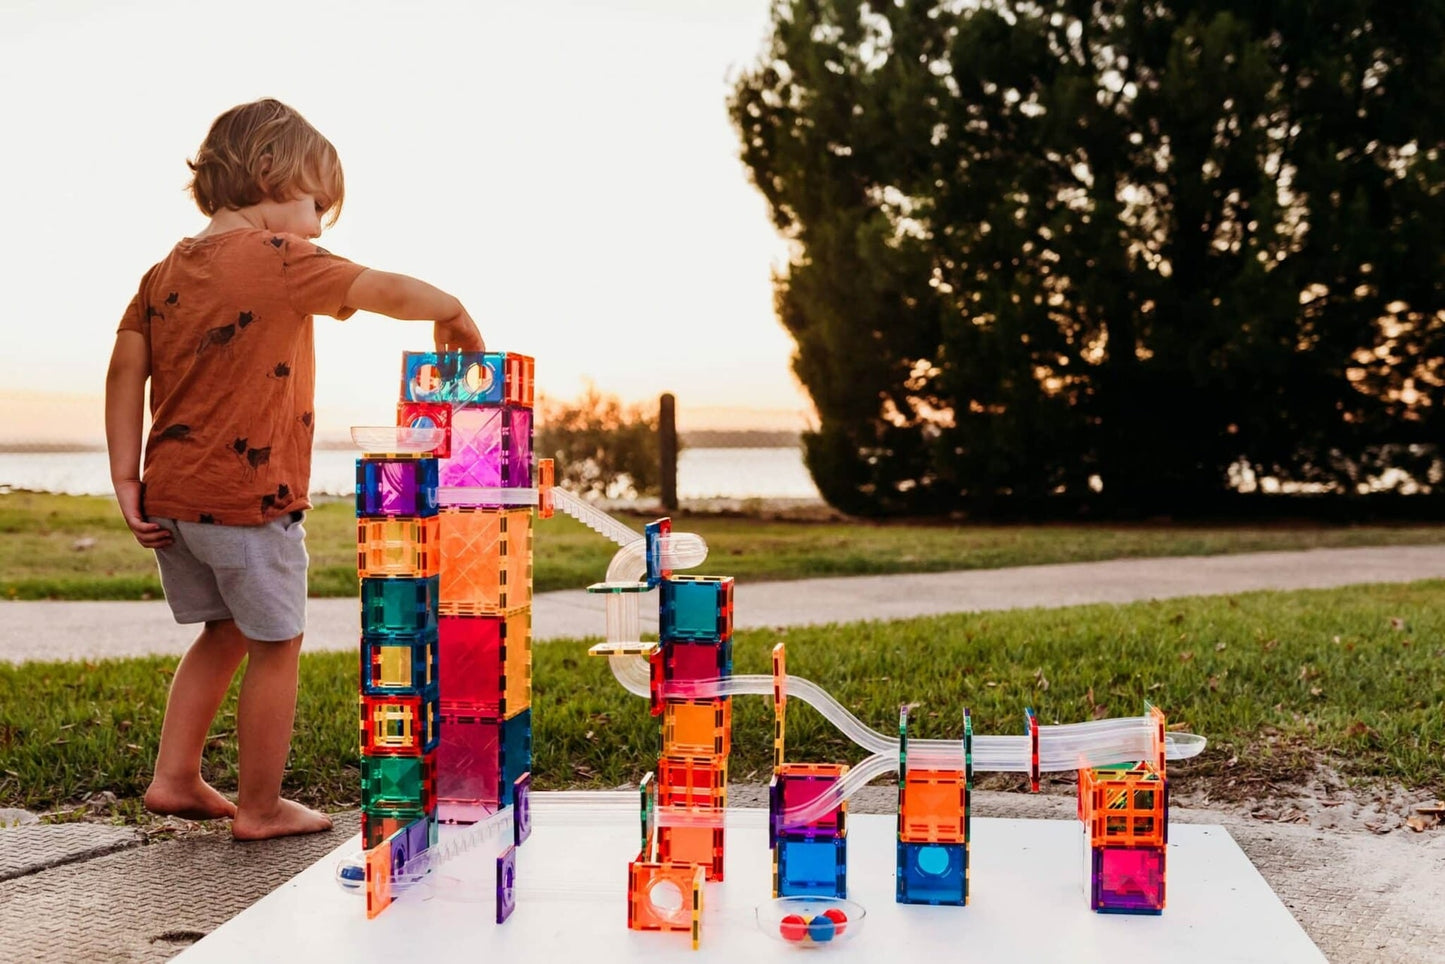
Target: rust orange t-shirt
233,373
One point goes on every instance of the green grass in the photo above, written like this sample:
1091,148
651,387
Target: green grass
1278,682
39,558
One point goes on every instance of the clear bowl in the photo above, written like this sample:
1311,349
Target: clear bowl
806,922
396,440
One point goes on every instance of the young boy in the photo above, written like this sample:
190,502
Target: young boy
222,329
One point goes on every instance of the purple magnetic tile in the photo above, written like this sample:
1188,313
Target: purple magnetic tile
506,883
522,809
476,449
775,813
395,489
400,850
1128,878
519,448
418,837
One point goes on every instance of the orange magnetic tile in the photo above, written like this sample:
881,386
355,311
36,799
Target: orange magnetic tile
933,807
397,546
659,895
692,782
518,638
378,879
471,559
1124,808
697,727
693,845
517,557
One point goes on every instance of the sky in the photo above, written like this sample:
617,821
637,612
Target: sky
565,167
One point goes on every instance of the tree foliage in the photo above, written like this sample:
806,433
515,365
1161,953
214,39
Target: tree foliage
1113,253
601,447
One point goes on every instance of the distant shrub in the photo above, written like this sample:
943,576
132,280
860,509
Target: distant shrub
602,448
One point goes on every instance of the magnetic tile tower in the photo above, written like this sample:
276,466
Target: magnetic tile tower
933,823
683,802
1125,811
397,559
484,591
444,552
810,858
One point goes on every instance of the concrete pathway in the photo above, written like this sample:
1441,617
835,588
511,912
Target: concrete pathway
95,630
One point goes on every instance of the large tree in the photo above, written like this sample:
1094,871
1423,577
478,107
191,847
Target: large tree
1121,253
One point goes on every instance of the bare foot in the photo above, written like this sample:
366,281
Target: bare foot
192,800
288,818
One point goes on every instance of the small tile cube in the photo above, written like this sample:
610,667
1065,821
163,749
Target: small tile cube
688,669
696,608
469,768
1128,880
396,486
399,725
798,784
478,764
399,607
933,806
693,845
428,415
932,873
486,663
486,560
697,727
459,377
1125,805
397,546
477,449
664,895
692,782
377,827
811,866
398,783
398,665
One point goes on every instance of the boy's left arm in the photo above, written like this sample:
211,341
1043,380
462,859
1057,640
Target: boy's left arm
125,385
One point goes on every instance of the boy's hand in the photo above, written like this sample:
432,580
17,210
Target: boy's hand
458,333
148,534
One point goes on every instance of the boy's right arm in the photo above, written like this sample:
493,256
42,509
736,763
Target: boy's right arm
406,298
125,387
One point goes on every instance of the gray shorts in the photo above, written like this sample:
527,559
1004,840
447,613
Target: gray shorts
255,575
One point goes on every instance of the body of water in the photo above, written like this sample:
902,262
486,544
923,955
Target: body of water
702,473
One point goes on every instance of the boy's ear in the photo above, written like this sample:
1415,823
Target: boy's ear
262,170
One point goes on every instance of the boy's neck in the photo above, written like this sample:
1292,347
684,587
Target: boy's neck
241,219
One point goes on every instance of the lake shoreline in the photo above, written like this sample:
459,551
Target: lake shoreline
734,475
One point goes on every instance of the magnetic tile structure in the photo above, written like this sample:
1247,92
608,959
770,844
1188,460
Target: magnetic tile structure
1125,812
685,797
397,560
444,552
810,855
444,549
933,822
688,679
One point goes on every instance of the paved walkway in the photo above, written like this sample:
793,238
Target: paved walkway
87,892
94,630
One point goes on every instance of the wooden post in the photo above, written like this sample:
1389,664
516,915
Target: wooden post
667,444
